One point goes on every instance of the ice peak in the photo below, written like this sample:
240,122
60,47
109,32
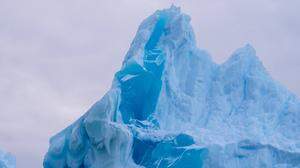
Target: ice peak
166,29
249,49
173,9
245,61
245,53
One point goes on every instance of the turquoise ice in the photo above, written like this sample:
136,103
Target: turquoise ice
171,106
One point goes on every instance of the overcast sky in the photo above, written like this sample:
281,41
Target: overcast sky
57,57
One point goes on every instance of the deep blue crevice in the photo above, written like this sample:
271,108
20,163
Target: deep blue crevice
140,87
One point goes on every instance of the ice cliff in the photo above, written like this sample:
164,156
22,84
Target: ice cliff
171,106
7,160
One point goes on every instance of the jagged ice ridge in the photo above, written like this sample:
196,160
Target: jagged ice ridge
171,106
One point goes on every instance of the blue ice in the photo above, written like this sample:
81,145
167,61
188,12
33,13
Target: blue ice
171,106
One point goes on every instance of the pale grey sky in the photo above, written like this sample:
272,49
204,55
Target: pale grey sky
57,57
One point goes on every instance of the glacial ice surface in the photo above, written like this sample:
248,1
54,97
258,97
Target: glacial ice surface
7,160
171,106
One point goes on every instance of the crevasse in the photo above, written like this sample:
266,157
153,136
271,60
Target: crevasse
171,106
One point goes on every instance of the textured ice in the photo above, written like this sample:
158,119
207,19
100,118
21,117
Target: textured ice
171,106
7,160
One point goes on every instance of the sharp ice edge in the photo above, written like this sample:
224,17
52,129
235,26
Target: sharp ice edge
171,106
7,160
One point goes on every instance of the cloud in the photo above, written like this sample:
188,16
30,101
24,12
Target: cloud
58,57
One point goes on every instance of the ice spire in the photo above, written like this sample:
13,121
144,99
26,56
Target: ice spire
169,26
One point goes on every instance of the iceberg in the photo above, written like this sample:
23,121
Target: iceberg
171,106
7,160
